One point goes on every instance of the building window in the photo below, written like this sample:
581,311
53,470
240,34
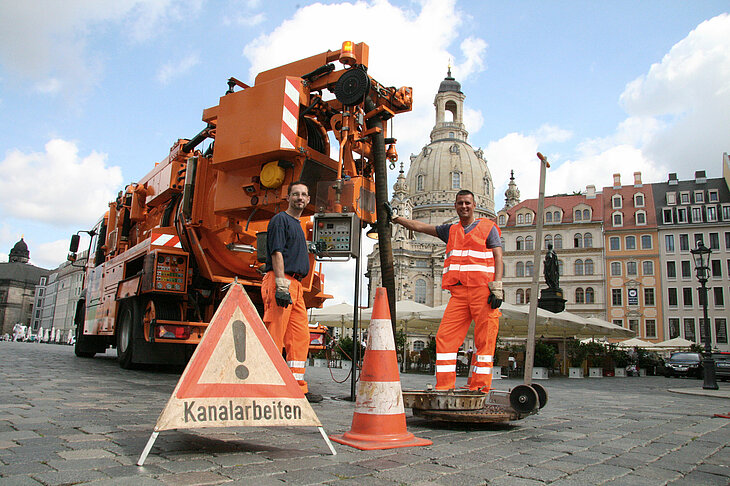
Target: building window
716,266
548,240
528,218
557,218
699,197
586,215
616,202
646,242
686,269
647,267
714,241
520,241
419,345
520,299
616,297
579,267
634,325
649,296
618,219
502,220
671,269
456,180
618,322
673,327
727,240
558,242
687,297
713,196
615,269
578,215
696,215
641,218
684,242
520,219
419,182
672,296
699,238
614,243
420,291
590,296
650,325
578,240
588,240
638,200
681,215
719,296
631,242
520,269
528,269
689,329
711,214
549,217
529,243
721,330
726,213
588,266
667,216
669,243
632,269
527,296
671,198
579,296
684,197
560,267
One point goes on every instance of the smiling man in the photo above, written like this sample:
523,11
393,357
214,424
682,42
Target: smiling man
287,263
473,275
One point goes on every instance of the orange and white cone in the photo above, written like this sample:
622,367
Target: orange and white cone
379,421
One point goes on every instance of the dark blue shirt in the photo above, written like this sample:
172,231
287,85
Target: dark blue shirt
285,235
493,240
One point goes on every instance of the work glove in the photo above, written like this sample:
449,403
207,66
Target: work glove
496,294
282,296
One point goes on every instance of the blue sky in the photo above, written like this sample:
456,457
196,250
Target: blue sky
93,93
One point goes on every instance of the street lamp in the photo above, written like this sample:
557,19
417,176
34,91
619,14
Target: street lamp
702,259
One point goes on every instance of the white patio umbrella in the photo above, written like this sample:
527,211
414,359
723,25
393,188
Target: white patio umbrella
634,343
674,343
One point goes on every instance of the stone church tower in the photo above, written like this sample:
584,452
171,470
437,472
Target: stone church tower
427,193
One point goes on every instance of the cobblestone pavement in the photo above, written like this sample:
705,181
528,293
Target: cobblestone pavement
66,420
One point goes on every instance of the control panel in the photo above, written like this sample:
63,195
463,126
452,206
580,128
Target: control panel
170,272
337,234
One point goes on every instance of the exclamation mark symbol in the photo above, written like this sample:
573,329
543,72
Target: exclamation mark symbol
239,341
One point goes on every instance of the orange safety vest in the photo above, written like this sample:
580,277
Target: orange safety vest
468,260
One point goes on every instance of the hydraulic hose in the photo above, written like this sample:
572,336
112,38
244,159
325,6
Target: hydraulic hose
381,198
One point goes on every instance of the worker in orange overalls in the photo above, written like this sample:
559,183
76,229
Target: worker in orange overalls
287,263
473,274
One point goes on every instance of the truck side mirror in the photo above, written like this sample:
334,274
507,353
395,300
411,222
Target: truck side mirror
74,246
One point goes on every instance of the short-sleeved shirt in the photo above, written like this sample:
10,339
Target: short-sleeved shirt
285,235
493,240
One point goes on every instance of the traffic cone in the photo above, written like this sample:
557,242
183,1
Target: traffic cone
379,421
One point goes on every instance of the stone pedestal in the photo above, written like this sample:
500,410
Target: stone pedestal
551,300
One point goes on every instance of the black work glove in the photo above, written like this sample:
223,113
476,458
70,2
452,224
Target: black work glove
493,301
282,296
496,294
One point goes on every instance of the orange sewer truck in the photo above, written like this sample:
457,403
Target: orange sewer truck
161,256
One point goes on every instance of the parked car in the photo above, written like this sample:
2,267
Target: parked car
684,364
722,365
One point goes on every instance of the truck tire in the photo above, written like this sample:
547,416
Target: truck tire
83,347
127,321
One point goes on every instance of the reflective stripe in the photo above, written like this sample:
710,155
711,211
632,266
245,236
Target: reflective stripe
380,336
468,268
446,368
296,364
379,398
445,356
483,370
484,358
298,376
471,253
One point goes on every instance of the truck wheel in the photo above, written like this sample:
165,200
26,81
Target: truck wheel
126,322
83,348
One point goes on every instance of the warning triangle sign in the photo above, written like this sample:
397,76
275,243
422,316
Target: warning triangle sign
236,377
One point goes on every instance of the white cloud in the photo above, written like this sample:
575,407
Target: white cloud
411,49
551,133
50,254
50,39
48,86
250,20
57,186
177,68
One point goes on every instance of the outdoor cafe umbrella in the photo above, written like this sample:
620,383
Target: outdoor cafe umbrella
675,343
634,343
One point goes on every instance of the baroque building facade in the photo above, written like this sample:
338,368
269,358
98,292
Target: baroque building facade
18,280
426,193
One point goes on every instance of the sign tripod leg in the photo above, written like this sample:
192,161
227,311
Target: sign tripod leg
327,440
147,448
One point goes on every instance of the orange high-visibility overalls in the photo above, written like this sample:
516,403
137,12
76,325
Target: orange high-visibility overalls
288,326
468,269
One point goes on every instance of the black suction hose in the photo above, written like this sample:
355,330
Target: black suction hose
381,197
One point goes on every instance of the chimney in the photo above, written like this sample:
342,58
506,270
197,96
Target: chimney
673,181
617,181
590,192
637,179
700,177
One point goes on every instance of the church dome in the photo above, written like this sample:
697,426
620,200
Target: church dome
449,84
20,252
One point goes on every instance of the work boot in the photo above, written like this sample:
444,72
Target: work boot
313,397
